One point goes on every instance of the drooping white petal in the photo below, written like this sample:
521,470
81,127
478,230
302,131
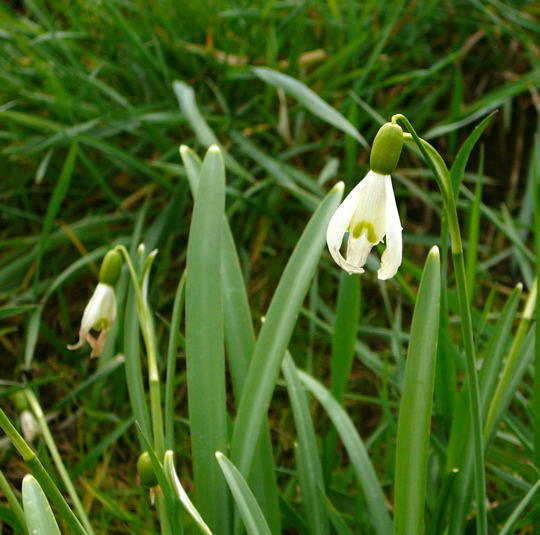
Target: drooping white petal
391,258
99,314
29,425
101,309
340,223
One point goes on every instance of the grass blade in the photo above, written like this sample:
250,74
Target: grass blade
343,350
414,424
37,511
457,170
204,344
249,508
58,195
276,332
361,464
507,529
186,99
310,100
310,472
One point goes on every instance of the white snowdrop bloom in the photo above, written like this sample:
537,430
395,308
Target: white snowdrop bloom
29,425
369,212
99,315
100,312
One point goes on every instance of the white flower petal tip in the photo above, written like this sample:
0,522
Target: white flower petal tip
29,426
99,315
366,216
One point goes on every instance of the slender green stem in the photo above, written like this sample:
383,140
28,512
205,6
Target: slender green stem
536,411
440,171
55,454
148,332
41,474
174,337
146,324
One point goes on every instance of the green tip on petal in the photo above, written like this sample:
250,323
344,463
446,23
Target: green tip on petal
110,267
386,149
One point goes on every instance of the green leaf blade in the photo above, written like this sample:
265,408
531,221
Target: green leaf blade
276,332
204,343
37,511
249,509
361,463
414,423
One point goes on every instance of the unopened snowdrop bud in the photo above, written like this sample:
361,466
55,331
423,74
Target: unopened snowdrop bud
100,312
369,212
386,149
20,401
29,425
146,470
111,267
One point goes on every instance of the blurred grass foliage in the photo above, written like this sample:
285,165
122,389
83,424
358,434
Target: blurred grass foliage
97,96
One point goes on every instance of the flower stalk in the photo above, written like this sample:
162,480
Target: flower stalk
148,332
442,176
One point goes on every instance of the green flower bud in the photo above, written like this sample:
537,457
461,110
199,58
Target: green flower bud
110,267
20,401
386,149
146,470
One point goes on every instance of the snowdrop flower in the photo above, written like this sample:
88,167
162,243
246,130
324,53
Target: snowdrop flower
100,312
29,426
369,212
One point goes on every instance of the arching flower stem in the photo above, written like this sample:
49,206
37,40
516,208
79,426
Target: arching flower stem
146,324
442,176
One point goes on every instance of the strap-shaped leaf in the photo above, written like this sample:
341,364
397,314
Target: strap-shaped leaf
249,508
37,511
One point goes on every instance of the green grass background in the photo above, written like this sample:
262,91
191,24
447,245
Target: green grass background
90,127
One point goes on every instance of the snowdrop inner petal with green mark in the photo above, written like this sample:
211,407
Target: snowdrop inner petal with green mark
367,214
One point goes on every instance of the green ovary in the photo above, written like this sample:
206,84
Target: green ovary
366,227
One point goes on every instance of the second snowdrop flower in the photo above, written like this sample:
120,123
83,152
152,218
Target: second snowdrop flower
100,312
369,212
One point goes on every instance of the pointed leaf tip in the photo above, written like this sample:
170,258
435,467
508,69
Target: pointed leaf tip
339,186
